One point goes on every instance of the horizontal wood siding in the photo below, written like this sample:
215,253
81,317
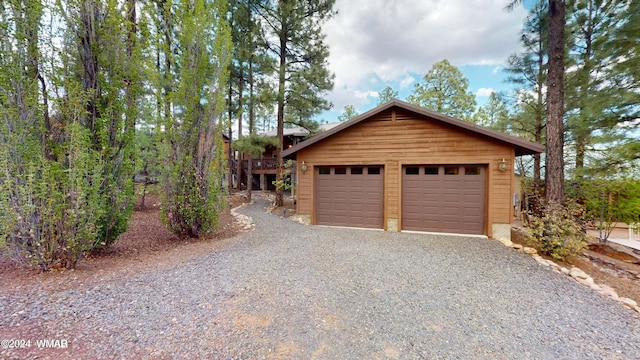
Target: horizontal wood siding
409,140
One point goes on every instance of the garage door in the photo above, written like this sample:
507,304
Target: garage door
349,196
448,199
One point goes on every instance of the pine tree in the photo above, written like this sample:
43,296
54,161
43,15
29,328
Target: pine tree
554,110
387,95
495,114
249,65
595,104
445,89
528,71
295,38
348,113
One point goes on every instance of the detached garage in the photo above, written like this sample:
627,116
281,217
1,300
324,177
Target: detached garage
402,167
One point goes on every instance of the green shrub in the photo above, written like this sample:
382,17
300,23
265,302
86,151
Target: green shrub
191,201
52,206
285,183
608,201
558,231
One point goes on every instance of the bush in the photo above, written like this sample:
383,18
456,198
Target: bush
51,206
191,201
558,231
608,201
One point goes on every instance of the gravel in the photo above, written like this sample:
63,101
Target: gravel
289,291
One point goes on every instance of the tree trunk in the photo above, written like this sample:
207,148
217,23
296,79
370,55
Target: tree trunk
281,96
231,157
88,39
539,124
554,172
251,120
240,154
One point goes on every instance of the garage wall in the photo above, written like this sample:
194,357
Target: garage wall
397,137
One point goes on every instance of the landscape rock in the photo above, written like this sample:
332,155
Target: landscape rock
577,273
506,242
552,264
298,219
607,290
586,281
628,302
530,251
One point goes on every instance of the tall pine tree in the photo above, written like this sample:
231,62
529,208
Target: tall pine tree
294,37
445,89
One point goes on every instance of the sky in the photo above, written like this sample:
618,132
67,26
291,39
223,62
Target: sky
379,43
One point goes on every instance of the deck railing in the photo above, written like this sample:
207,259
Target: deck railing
261,164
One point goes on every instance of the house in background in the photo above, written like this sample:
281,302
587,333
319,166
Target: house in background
264,167
400,167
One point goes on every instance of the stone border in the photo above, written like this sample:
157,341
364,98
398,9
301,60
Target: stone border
245,222
575,273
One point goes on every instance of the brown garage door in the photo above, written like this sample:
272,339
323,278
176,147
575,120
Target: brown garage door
349,196
447,198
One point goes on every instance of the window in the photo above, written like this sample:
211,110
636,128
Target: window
472,170
431,170
373,171
341,171
356,171
324,171
451,170
412,171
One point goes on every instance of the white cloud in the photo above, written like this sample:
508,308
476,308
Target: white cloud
408,80
485,92
389,39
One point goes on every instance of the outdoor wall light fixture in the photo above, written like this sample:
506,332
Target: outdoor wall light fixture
303,167
503,165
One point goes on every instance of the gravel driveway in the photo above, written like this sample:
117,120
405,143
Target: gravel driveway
289,291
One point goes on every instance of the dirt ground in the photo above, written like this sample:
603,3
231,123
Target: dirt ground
147,244
607,263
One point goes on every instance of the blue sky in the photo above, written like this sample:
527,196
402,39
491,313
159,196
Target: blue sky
395,42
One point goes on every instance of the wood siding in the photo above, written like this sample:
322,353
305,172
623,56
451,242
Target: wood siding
396,138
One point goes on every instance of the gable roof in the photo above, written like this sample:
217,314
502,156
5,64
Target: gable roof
522,147
300,131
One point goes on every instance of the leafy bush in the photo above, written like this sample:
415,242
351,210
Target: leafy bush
285,183
192,148
51,206
192,200
608,201
558,231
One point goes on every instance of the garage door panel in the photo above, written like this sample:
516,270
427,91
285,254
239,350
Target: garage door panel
349,199
453,200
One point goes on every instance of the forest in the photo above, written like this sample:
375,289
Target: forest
96,93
